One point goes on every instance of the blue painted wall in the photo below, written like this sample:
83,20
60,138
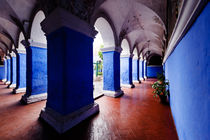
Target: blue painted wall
36,70
21,70
111,71
126,70
14,70
9,70
70,75
5,69
135,69
2,75
152,71
145,68
142,68
188,71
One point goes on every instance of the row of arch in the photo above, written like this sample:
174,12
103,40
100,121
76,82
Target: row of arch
101,24
68,85
142,27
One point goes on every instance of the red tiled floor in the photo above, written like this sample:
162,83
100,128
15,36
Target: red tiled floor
135,116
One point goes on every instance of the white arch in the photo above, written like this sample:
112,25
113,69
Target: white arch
37,35
13,54
106,32
125,47
20,45
135,53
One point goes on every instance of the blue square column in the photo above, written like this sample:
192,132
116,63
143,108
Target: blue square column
5,70
36,73
135,70
145,69
21,72
8,70
70,71
13,71
141,69
126,72
111,72
2,72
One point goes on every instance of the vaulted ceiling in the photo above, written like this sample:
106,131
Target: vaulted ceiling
142,22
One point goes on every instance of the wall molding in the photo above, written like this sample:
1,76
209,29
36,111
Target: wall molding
189,11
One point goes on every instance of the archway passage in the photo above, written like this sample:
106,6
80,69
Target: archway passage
155,60
111,58
21,66
36,63
97,66
154,66
126,78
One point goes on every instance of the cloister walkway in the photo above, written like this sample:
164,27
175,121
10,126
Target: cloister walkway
136,115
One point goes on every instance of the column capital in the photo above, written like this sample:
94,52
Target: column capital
109,49
136,58
13,54
127,55
7,57
21,51
36,44
62,18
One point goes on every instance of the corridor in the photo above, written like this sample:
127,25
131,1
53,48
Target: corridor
136,115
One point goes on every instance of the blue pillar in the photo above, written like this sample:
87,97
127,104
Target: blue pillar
126,72
21,72
111,72
2,72
141,70
8,70
5,70
13,70
70,71
135,70
145,69
36,74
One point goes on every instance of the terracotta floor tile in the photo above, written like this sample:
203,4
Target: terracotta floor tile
135,116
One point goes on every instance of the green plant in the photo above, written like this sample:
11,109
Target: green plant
100,54
160,87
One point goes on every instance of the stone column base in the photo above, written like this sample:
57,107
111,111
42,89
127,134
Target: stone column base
4,80
7,83
12,86
142,79
33,98
137,81
113,93
63,123
19,90
145,77
128,85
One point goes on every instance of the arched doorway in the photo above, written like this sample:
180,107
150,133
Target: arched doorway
36,55
111,58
